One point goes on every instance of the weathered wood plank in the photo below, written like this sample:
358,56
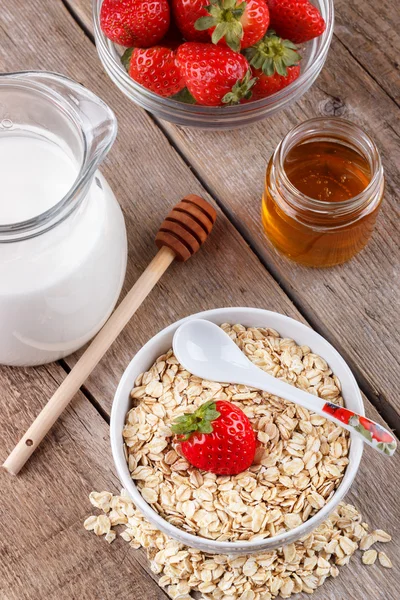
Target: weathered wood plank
360,296
46,554
371,32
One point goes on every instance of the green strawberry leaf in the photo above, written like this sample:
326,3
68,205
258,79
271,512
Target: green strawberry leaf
272,54
205,427
204,23
241,90
233,36
199,421
126,58
227,4
184,96
225,16
219,32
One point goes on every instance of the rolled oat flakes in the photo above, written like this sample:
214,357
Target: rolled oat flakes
300,462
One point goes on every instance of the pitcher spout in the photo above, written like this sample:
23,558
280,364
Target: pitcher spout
95,118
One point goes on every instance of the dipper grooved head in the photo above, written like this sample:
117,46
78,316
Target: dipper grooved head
187,226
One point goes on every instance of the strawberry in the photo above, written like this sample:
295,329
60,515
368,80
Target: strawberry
298,20
235,23
155,68
272,54
186,13
266,85
173,38
214,75
139,23
218,437
274,63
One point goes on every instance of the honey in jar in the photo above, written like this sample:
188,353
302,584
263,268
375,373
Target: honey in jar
323,189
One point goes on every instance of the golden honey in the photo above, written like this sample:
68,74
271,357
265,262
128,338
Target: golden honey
323,189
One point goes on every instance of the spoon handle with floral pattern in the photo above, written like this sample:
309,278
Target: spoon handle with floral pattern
377,436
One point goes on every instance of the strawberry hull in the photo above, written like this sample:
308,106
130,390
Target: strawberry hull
237,25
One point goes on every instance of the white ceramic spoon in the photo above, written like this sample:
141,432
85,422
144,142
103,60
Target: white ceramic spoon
206,351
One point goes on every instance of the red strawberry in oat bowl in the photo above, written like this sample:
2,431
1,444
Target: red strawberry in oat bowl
140,23
214,75
298,20
235,23
217,437
155,68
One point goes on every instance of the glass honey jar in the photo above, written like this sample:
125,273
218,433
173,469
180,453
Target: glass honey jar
323,189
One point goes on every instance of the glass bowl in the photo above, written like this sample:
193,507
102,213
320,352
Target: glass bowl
221,117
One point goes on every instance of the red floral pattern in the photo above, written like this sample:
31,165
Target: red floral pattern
374,433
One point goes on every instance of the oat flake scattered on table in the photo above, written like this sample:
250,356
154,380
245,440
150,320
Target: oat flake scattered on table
299,567
299,465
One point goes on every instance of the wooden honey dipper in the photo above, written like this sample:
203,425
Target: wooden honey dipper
180,236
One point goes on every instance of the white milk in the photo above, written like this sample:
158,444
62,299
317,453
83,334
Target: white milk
58,288
35,175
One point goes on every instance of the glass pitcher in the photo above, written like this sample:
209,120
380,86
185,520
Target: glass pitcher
63,248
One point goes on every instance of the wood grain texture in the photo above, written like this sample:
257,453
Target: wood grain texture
45,552
148,177
371,32
360,296
88,361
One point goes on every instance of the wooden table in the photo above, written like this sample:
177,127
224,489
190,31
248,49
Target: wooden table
45,553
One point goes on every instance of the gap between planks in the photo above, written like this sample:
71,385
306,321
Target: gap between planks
377,399
84,390
78,20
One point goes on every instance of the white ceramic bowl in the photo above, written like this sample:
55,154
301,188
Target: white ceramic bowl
250,317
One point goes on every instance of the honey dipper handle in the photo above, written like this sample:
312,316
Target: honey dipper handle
85,365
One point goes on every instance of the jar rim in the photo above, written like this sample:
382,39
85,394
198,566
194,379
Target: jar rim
324,126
